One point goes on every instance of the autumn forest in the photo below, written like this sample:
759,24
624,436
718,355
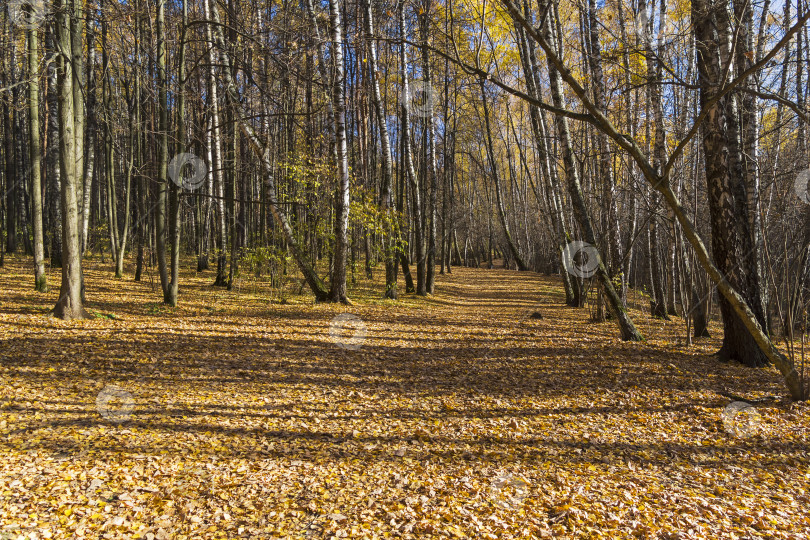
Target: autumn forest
404,268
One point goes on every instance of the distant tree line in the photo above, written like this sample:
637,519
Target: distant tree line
637,144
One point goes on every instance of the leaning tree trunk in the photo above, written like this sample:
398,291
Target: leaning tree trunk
513,249
737,302
610,225
531,70
626,327
311,277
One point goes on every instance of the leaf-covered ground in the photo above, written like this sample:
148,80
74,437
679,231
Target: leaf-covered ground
239,415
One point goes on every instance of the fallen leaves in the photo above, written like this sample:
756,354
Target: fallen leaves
457,417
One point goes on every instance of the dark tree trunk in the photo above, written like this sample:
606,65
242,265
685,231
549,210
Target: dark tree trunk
416,218
430,165
732,244
700,314
52,160
9,114
70,303
40,277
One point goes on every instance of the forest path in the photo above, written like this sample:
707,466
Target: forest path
453,415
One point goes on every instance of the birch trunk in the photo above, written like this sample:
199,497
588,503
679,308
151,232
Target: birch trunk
311,277
386,201
338,282
627,329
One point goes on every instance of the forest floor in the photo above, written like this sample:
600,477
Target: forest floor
239,415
